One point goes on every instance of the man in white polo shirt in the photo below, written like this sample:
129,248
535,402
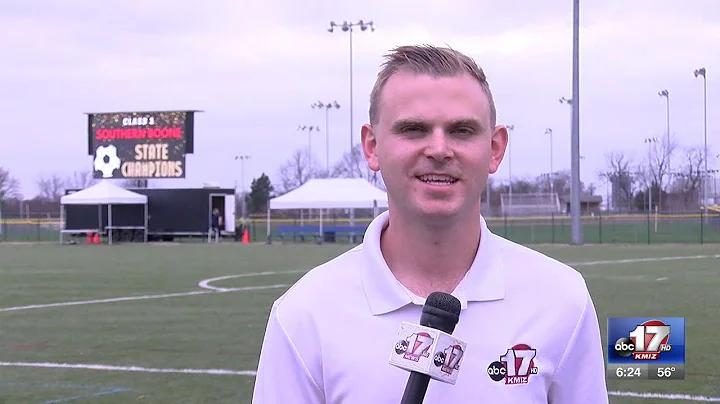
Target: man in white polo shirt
434,138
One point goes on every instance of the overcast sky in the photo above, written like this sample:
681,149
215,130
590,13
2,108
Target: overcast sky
256,67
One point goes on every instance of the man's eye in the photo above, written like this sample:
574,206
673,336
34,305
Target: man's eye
413,128
464,131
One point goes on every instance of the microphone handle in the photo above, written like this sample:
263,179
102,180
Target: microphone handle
415,388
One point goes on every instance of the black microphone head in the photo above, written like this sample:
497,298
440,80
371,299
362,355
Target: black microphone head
444,301
441,311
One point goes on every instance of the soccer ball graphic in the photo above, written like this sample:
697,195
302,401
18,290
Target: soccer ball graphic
112,163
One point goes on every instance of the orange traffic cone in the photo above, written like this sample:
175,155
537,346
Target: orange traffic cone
96,239
246,237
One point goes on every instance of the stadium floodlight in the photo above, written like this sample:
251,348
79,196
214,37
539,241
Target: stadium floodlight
327,107
309,130
347,26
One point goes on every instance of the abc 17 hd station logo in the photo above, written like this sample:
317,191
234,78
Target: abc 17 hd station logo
646,342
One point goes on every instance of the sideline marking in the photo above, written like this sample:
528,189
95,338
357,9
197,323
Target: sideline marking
662,396
633,260
51,365
205,284
145,297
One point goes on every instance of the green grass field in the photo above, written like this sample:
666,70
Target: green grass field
224,330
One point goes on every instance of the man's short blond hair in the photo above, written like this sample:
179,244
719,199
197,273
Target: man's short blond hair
429,60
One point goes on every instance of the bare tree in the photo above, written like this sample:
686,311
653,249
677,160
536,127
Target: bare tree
51,187
353,165
295,171
591,189
80,179
349,165
656,170
621,179
9,185
561,181
689,175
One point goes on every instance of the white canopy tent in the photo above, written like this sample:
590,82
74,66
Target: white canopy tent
103,193
330,193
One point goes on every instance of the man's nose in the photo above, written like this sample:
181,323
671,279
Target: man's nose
438,146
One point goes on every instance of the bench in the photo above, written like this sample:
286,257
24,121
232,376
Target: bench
330,232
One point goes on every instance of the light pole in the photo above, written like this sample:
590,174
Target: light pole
242,159
576,228
548,131
510,129
715,194
347,26
702,72
309,130
666,95
649,141
327,107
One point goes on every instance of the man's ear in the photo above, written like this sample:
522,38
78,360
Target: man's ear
498,145
369,145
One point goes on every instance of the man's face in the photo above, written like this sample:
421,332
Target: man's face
434,145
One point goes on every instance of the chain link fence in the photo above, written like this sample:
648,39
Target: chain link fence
692,228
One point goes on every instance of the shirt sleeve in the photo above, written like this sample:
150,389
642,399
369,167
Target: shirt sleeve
580,375
282,375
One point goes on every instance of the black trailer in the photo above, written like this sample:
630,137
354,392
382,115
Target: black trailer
172,212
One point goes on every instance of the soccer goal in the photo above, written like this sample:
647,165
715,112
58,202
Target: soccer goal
535,204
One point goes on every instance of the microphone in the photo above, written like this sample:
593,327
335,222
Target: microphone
428,350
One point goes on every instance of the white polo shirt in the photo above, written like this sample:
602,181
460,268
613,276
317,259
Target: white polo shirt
329,337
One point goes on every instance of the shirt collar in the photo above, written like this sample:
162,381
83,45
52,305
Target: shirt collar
485,281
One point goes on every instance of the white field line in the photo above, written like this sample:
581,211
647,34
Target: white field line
208,290
634,260
205,284
126,368
213,289
228,372
663,396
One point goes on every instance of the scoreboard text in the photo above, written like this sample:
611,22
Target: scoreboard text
140,144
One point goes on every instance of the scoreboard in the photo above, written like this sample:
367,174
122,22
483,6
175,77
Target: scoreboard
140,145
646,348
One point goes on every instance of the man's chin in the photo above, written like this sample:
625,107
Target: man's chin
439,211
